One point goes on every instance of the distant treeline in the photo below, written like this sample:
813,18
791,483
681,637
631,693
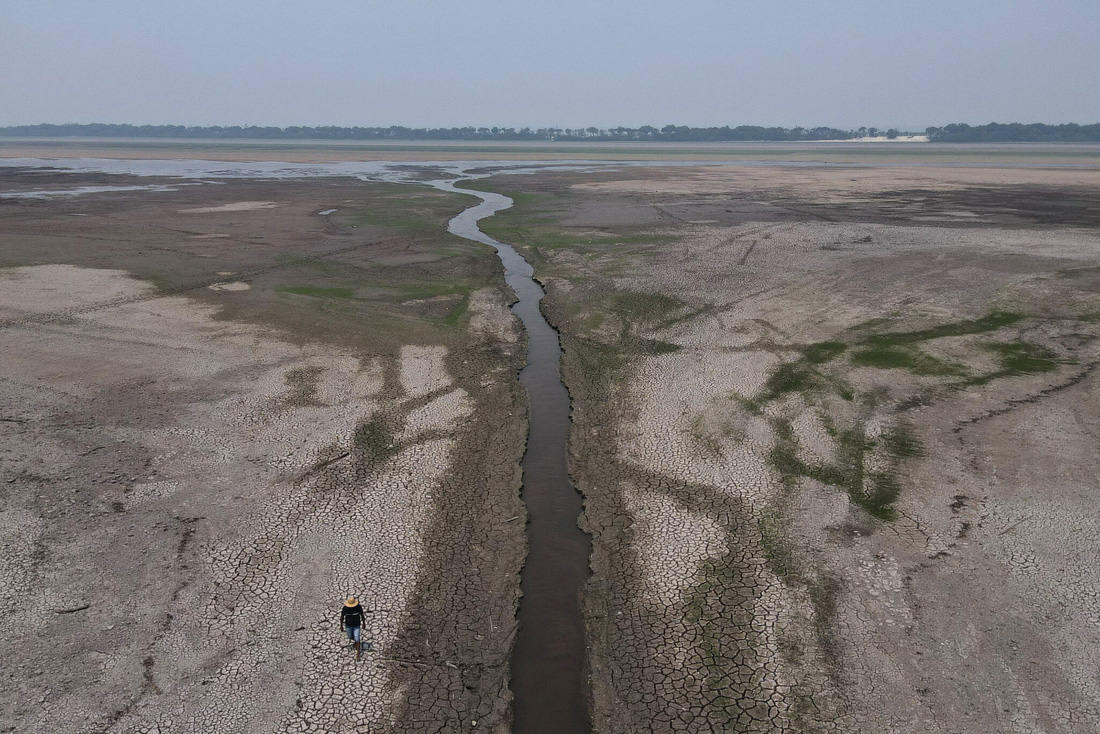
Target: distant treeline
956,133
668,133
1015,132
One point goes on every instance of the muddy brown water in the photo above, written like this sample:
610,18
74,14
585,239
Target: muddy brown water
549,670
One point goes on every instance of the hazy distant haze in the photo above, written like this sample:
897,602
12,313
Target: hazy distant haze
517,63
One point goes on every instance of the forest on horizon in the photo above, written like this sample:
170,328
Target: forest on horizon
953,133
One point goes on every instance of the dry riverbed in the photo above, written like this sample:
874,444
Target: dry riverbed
222,412
837,430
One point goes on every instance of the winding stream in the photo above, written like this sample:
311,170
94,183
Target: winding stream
549,673
549,676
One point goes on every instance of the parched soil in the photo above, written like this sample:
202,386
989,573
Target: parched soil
221,412
836,430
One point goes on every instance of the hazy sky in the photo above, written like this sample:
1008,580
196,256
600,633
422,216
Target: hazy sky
519,62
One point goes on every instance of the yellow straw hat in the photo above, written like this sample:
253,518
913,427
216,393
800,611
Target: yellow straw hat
351,602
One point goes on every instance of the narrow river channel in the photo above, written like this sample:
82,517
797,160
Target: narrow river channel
549,670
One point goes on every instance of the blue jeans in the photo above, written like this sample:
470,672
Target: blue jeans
352,633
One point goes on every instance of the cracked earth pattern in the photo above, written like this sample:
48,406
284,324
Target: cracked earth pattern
351,471
727,596
143,435
701,615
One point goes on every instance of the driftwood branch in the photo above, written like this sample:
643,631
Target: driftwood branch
81,608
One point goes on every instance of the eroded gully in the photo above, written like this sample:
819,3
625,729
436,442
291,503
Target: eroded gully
549,678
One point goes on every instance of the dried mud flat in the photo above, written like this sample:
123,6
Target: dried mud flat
836,429
837,433
221,414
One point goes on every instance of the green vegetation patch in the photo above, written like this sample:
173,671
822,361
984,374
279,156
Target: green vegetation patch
803,375
302,382
314,264
600,363
435,292
809,375
823,352
415,289
520,199
372,443
874,491
458,313
797,376
1018,358
644,307
906,358
901,441
990,322
529,224
777,549
718,607
900,350
411,208
539,232
1024,358
318,291
655,347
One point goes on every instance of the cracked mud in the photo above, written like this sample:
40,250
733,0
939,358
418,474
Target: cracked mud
836,433
835,429
193,479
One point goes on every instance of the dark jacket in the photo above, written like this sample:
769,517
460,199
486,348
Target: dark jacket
351,616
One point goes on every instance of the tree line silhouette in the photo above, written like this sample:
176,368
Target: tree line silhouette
398,132
1015,132
955,133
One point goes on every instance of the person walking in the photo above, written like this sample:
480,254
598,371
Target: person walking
351,621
